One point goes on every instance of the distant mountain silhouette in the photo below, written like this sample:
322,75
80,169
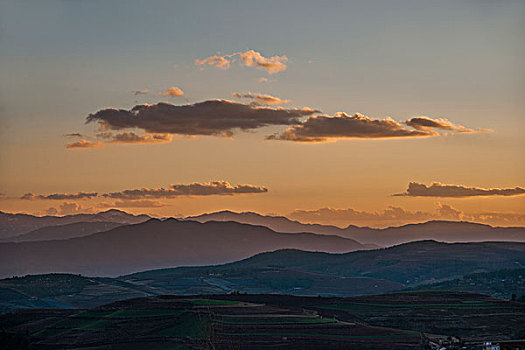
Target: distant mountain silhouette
12,225
67,231
445,231
156,244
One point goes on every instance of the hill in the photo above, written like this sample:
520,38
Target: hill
12,225
157,244
444,231
361,272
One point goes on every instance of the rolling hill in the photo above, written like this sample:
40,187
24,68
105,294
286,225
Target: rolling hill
361,272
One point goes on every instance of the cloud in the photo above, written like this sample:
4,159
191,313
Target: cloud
426,123
393,216
51,211
84,144
343,217
131,137
194,189
263,80
214,61
68,208
75,134
60,196
261,99
213,117
143,203
173,92
341,125
248,58
141,92
437,189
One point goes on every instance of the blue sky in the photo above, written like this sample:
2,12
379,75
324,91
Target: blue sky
460,60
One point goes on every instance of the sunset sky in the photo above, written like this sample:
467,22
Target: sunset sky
370,113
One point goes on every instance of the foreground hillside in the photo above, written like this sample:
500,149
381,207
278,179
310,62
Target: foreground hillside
156,244
501,283
392,321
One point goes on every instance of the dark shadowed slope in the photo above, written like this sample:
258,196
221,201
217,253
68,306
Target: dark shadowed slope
77,229
444,231
156,244
12,225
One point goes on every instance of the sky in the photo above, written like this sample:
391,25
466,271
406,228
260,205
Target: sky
370,113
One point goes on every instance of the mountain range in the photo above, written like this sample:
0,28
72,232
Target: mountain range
445,231
15,224
156,244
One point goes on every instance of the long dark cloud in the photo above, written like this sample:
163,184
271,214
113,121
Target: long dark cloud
342,125
220,188
193,189
437,189
60,196
213,117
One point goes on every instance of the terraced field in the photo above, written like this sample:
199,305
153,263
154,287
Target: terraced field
393,321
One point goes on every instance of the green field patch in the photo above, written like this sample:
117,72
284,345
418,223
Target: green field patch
188,325
373,307
96,325
91,314
211,302
145,313
332,336
276,320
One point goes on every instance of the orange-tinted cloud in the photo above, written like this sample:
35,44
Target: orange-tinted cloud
60,196
142,203
341,125
194,189
437,189
173,92
68,208
393,216
248,58
84,144
344,217
141,92
214,117
131,137
214,61
261,99
426,123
